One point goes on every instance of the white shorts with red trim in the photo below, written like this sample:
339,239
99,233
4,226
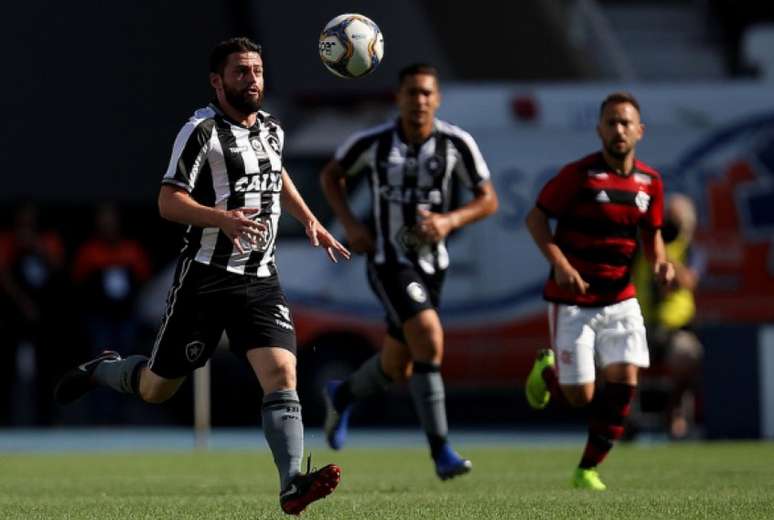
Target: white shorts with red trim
583,337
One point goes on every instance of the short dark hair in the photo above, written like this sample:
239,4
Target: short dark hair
417,68
221,52
619,97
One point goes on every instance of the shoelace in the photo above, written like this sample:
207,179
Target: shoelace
309,464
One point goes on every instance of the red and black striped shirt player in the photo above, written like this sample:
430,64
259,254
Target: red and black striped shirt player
599,213
604,204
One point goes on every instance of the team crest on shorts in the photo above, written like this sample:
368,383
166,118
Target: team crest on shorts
416,292
194,350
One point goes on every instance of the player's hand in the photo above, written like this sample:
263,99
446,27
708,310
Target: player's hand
238,226
360,239
434,226
665,273
569,279
320,237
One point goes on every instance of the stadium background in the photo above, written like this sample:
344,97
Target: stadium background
95,93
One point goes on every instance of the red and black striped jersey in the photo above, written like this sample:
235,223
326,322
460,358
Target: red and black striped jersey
598,214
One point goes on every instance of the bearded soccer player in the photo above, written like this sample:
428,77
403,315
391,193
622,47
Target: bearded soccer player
226,181
600,203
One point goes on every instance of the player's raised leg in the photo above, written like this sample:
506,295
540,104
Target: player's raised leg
126,375
542,380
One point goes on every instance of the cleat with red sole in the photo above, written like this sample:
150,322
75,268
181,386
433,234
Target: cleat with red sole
307,488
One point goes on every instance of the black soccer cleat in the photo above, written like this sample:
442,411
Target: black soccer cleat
78,381
305,489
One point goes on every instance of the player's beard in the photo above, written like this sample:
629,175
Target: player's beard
241,100
617,153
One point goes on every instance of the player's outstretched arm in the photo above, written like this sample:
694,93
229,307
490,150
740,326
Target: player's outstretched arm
436,226
318,235
177,205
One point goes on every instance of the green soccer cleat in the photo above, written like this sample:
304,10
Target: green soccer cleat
537,391
587,479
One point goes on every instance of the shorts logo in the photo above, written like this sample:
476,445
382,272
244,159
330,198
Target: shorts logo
565,357
416,292
282,318
194,350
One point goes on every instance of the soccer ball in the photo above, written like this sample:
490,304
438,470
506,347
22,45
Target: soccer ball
351,45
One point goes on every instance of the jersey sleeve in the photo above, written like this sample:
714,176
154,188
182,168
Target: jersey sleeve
189,154
654,217
352,155
560,191
471,168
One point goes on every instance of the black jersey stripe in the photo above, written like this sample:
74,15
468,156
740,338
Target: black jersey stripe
204,193
603,196
599,228
600,256
409,206
382,152
440,175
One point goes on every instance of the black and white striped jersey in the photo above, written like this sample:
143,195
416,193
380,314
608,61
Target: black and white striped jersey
225,165
405,178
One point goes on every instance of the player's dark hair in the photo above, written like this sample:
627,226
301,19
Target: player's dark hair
417,68
619,97
222,51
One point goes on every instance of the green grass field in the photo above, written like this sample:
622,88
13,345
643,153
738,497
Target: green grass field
712,480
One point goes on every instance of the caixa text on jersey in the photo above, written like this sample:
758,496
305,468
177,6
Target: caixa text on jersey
269,181
418,194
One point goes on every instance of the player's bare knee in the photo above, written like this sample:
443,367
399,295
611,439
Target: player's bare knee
280,377
155,389
156,394
398,372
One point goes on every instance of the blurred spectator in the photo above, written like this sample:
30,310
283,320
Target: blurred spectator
669,313
108,270
31,263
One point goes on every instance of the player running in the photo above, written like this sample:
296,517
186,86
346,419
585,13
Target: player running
225,181
600,203
410,163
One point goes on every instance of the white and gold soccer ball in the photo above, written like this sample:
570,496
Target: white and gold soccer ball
351,45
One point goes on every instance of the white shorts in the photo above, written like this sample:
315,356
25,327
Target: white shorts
582,335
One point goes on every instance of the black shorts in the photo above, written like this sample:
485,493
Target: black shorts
203,302
404,291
